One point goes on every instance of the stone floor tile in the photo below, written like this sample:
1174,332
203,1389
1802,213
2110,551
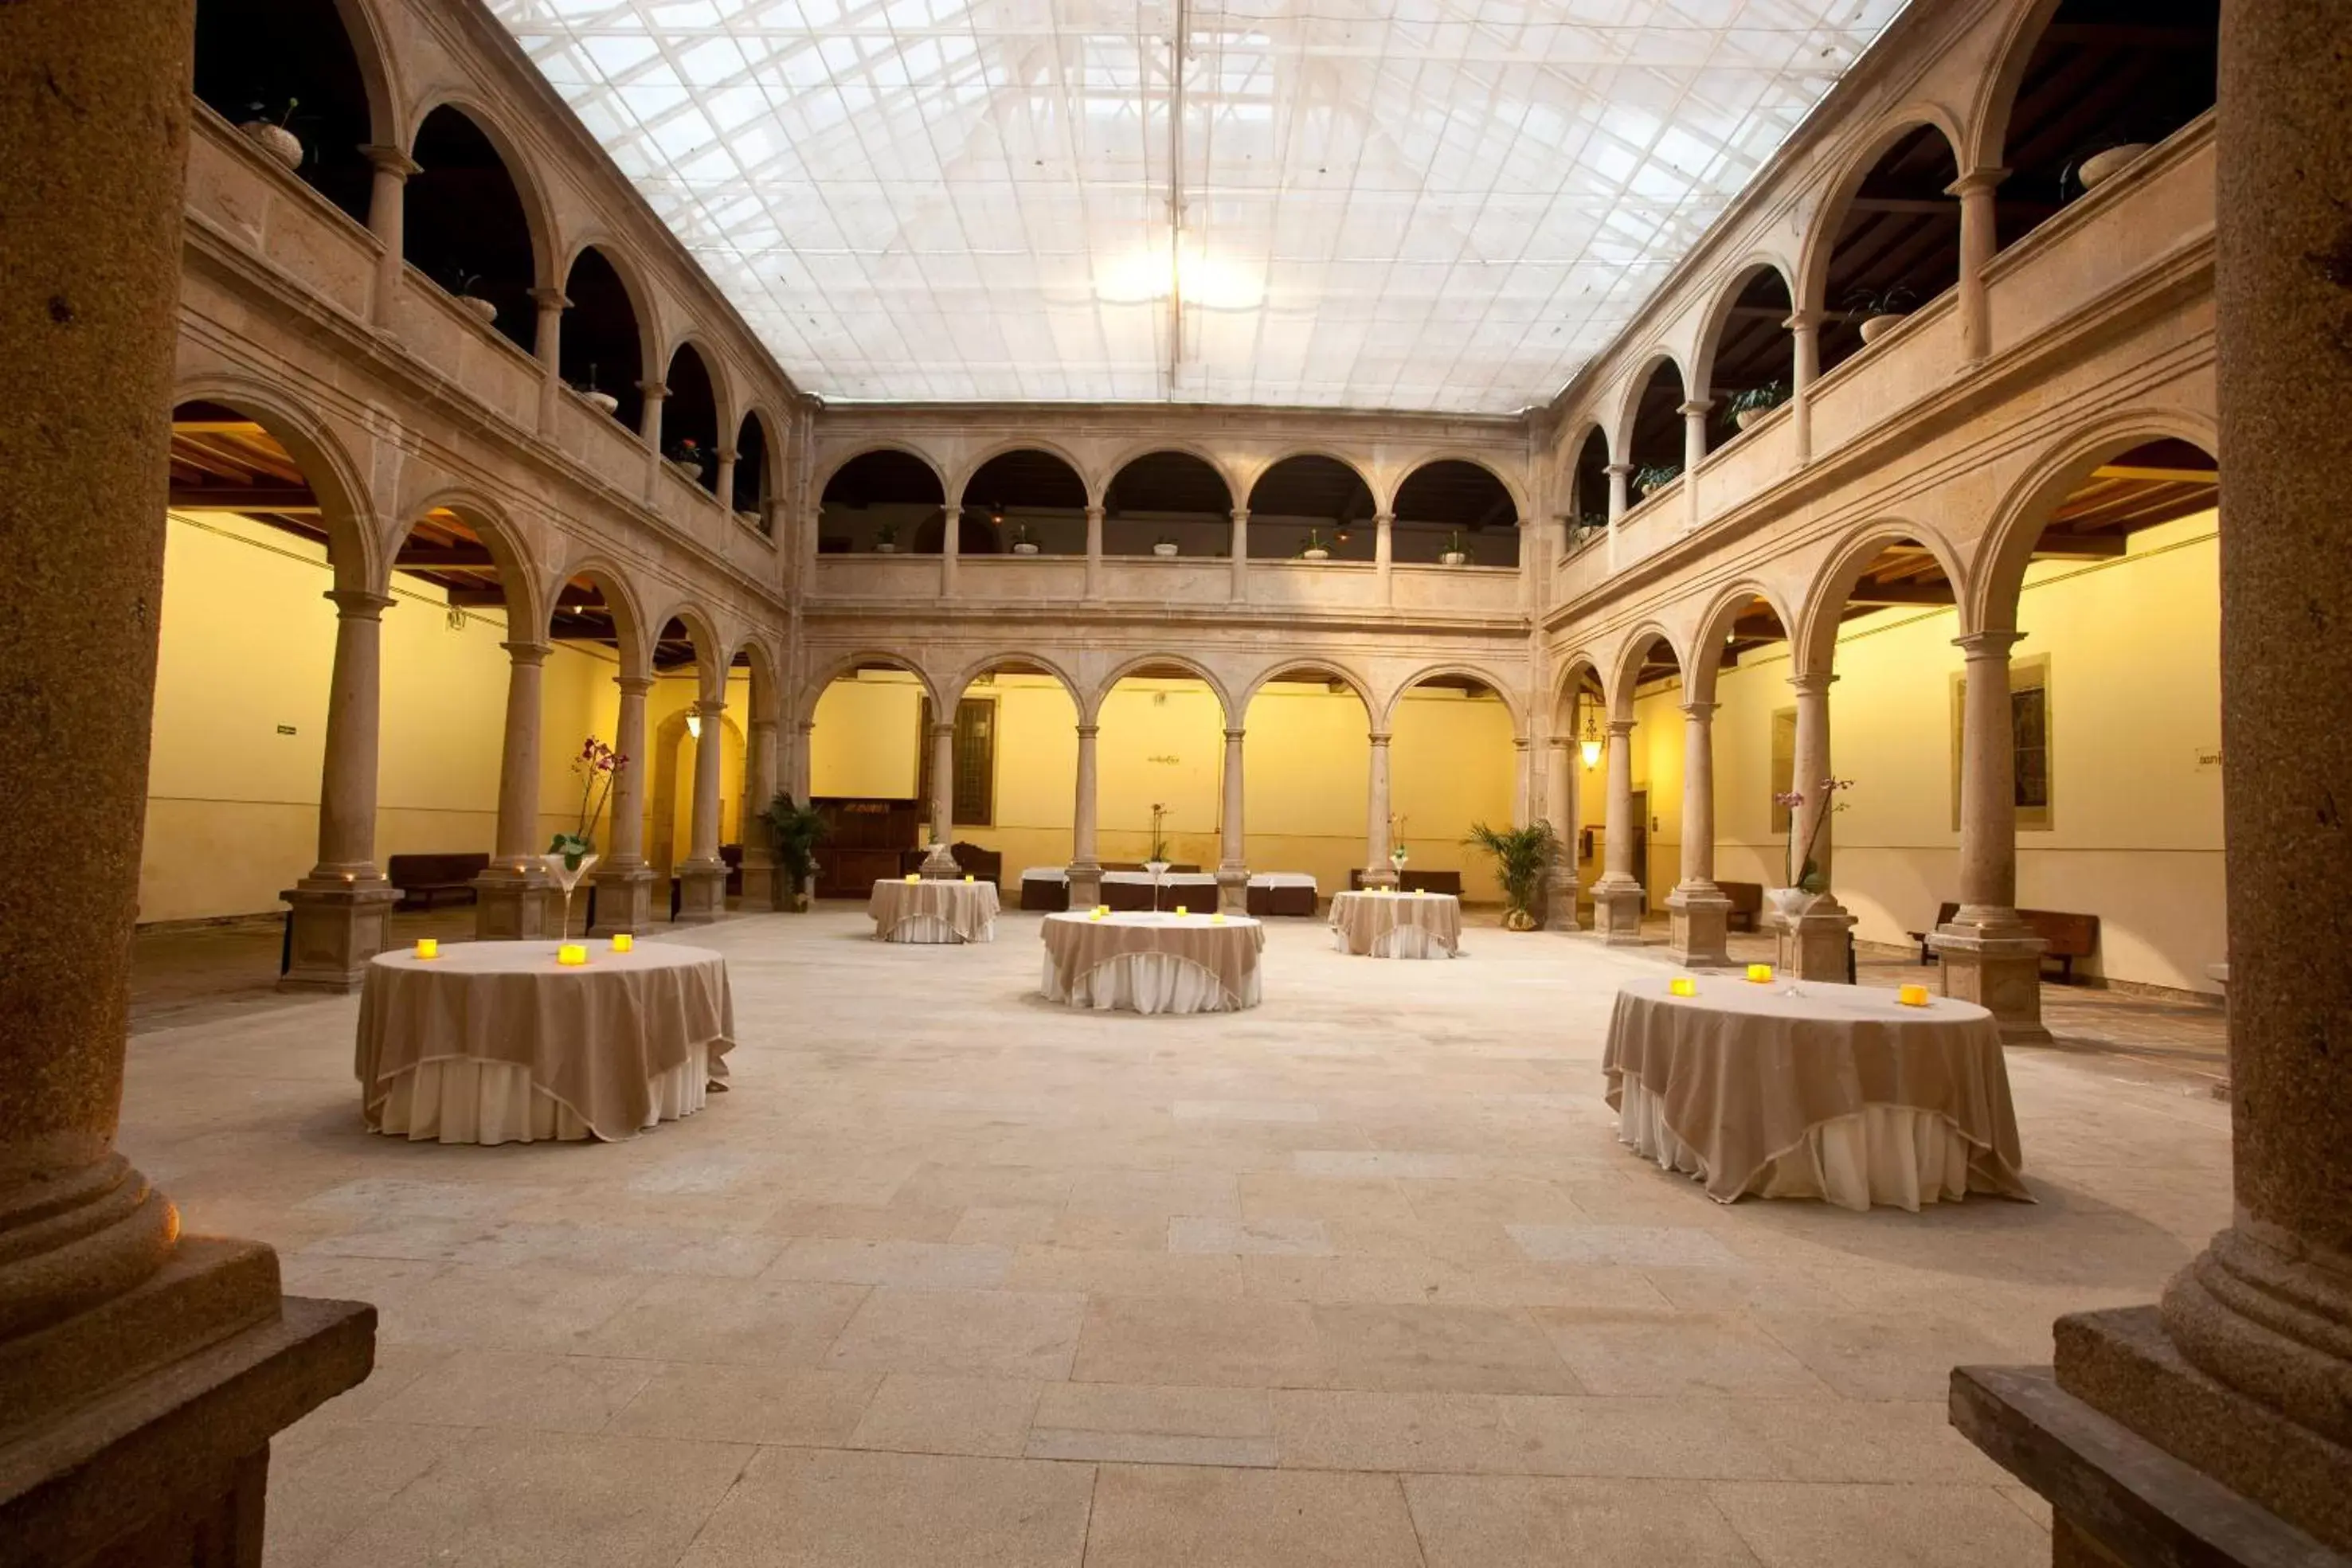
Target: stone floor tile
1106,1272
915,1413
1284,1192
869,1221
1864,1440
1327,1429
322,1490
1637,1246
923,1265
1237,1343
1483,1350
1906,1525
1290,1236
1903,1354
1525,1522
1666,1440
1380,1165
533,1307
1155,1516
801,1508
971,1333
1143,1424
518,1388
1673,1355
1154,1193
748,1323
1016,1225
623,1250
795,1404
1246,1111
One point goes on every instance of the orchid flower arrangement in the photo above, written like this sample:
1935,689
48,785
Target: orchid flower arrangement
1802,871
596,764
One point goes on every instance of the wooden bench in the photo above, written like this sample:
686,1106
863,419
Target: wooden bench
1413,880
1747,904
2066,936
423,878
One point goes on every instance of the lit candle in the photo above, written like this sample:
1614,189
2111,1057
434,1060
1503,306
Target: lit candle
428,947
1760,973
967,876
914,876
1217,919
1182,912
1102,909
1095,914
572,953
623,941
1682,986
1912,995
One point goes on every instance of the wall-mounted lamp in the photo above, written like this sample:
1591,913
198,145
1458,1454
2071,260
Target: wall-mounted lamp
1590,744
694,726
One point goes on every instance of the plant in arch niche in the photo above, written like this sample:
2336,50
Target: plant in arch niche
796,830
1520,856
1656,477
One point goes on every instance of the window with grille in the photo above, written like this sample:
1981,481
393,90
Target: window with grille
974,758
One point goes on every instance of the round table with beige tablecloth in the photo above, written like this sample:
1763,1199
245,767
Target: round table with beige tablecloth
1148,963
496,1042
1397,924
1837,1092
933,910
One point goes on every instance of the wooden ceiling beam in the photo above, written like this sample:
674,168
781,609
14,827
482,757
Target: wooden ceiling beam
2055,545
441,558
2158,476
243,498
1882,594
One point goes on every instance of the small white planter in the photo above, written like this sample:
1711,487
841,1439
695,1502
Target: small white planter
275,140
749,519
884,546
602,402
690,471
1163,551
1025,547
1877,327
485,309
1315,555
1455,558
1749,416
2100,167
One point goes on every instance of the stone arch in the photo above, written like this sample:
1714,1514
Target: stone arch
1996,573
1625,670
637,292
349,104
812,690
757,468
696,409
620,601
1716,623
827,472
1488,678
1584,662
531,189
1586,489
765,703
724,396
1717,319
711,650
1829,212
1636,388
954,689
1090,707
1512,484
953,486
1987,130
1130,454
1331,669
355,553
1246,480
1814,647
518,576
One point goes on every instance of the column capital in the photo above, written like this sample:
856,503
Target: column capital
1805,683
1240,514
634,685
1383,520
954,510
1804,320
1622,727
709,707
1982,645
390,161
1378,738
1975,180
1521,742
522,650
358,603
1700,711
727,455
1619,470
808,726
1696,408
653,390
1094,514
942,728
1088,731
1234,734
550,298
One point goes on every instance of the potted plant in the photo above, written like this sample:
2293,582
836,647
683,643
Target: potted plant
1587,527
1805,881
1753,403
604,402
1165,547
463,291
1520,856
1314,548
2105,165
796,831
686,456
1456,551
1879,309
885,540
1649,481
1024,542
571,854
272,135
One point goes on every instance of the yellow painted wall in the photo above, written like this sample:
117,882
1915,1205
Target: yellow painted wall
247,644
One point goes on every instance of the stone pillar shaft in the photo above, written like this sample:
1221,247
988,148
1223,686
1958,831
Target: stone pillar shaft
1812,764
627,835
1384,554
1560,810
1979,239
1523,784
1094,552
387,208
518,843
347,785
803,762
1232,869
1378,872
710,762
1241,555
1701,914
649,429
1085,870
1620,497
950,553
549,348
1618,895
1694,414
1988,777
1805,327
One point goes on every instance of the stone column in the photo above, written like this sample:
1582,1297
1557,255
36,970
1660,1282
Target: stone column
1700,912
1619,473
625,882
337,910
1617,896
722,479
1980,240
1378,872
1814,946
1560,810
549,348
1384,554
1241,555
1085,871
1805,328
1233,867
510,897
702,876
940,861
950,548
197,1358
801,765
1694,414
1093,553
761,889
1989,955
2225,1414
649,429
387,205
1523,784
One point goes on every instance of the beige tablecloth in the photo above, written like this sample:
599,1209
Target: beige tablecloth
601,1040
1754,1091
1398,924
904,911
1222,954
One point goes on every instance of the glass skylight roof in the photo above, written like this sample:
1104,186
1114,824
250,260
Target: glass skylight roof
1443,205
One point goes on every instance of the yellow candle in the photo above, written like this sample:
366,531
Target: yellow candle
1102,909
1682,986
571,953
428,947
623,941
1216,920
967,876
914,876
1912,995
1760,973
1182,912
1094,914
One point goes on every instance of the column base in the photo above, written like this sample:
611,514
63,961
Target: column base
1381,875
1816,944
338,926
624,897
940,864
1702,924
1998,966
1617,911
701,892
1560,902
763,884
2145,1459
1233,889
512,906
1086,884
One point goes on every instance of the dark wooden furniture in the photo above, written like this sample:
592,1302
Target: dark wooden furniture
1288,900
1413,881
980,864
2068,936
423,880
1747,902
1050,898
862,840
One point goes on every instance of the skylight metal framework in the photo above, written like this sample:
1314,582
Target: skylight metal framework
1409,205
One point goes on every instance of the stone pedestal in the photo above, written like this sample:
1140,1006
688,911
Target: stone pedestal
1617,911
1998,967
624,897
1233,889
1559,898
701,892
763,884
1813,945
1702,925
337,928
511,905
1085,885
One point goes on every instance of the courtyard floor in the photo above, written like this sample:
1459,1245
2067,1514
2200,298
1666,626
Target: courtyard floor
951,1275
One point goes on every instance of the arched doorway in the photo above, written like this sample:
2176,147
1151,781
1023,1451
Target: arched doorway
1305,762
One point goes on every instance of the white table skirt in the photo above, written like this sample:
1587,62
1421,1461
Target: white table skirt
466,1100
1401,942
1150,983
1884,1154
933,928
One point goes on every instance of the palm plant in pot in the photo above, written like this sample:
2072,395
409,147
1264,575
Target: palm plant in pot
1648,481
885,540
1879,308
1520,856
796,831
463,290
1752,403
1456,551
1314,548
1805,881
